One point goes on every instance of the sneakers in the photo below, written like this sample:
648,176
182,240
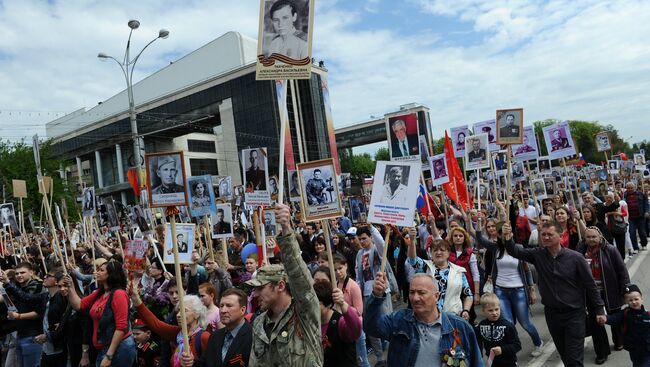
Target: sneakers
537,351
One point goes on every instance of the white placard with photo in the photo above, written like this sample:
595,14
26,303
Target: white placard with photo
559,142
394,193
88,202
439,171
488,127
458,135
528,149
222,222
200,195
8,219
184,240
403,137
256,177
222,186
477,152
602,141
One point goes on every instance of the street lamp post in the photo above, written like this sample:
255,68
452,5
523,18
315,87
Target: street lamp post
127,66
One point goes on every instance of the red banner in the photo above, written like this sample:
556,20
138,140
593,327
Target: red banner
455,188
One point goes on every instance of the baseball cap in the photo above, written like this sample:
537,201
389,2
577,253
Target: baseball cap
267,274
352,231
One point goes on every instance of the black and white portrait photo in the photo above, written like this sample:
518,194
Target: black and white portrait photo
549,186
518,173
222,222
222,186
270,227
639,161
394,193
200,195
138,219
403,134
88,202
166,179
273,187
543,164
559,142
294,185
457,137
285,32
510,126
8,219
256,176
613,166
488,127
602,141
184,240
476,152
319,188
111,213
539,188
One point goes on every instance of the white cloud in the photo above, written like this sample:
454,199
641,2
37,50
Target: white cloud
568,59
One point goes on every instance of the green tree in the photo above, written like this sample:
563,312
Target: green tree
382,154
17,162
358,165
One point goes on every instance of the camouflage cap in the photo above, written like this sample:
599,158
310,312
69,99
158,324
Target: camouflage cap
267,274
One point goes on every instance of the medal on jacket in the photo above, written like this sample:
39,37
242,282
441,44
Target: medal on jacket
455,357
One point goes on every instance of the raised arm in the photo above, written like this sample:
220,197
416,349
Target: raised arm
374,322
516,251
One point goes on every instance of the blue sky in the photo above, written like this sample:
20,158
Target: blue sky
463,59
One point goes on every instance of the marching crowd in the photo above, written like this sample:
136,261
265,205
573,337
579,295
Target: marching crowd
450,292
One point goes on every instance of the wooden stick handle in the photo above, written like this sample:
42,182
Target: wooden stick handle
385,253
179,283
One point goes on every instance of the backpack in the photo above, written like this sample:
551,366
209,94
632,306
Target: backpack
617,225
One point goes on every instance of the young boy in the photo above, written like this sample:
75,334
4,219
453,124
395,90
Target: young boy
636,326
497,335
148,350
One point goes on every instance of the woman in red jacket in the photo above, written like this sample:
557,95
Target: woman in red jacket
195,319
108,307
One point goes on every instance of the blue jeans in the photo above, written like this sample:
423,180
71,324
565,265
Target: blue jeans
638,225
514,306
124,355
362,352
28,351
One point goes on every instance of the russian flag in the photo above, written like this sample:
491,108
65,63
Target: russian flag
581,160
421,203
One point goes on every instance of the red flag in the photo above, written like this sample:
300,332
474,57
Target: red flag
132,175
455,188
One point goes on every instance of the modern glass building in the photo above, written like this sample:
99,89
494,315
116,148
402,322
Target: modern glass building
207,104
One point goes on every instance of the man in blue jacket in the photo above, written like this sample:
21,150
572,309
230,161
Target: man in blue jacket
423,336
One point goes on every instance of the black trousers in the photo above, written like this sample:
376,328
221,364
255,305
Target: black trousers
599,337
54,360
620,244
567,328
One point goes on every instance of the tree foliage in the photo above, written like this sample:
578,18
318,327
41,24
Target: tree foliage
17,162
382,154
358,165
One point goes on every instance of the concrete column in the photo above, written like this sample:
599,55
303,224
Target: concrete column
227,149
120,168
98,167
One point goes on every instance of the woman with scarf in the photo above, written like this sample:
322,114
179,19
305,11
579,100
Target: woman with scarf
569,236
611,276
463,256
195,319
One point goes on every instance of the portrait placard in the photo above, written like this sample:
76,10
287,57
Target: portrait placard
200,194
518,172
612,166
135,252
477,152
510,126
111,213
559,142
394,193
19,188
270,225
138,219
539,188
222,187
458,135
284,40
294,186
88,203
439,171
8,219
184,240
543,165
500,161
488,127
403,137
424,153
319,190
639,162
357,207
549,186
256,176
222,222
602,141
528,149
166,179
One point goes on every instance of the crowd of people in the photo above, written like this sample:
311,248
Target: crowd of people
448,293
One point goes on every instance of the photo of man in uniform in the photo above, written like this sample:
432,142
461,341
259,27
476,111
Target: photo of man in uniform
8,219
558,142
316,189
403,144
509,129
488,130
166,171
288,40
269,223
255,174
221,226
395,190
294,188
538,188
549,185
525,147
477,153
544,165
181,244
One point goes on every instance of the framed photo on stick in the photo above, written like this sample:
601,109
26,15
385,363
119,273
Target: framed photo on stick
403,134
394,193
319,190
166,179
477,152
602,141
256,177
184,240
510,126
222,222
559,142
201,195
